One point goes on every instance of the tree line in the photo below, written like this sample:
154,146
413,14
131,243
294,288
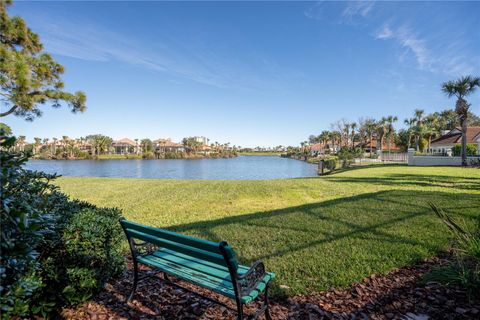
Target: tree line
420,129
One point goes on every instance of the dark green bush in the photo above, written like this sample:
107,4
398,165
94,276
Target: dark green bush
148,155
54,251
471,150
331,163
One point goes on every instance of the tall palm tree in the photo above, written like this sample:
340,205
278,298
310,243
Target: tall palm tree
54,146
65,145
20,143
337,140
367,130
432,128
353,126
390,130
346,134
381,129
323,137
36,145
45,143
410,123
418,129
461,88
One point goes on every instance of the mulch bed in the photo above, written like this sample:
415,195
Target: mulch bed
396,295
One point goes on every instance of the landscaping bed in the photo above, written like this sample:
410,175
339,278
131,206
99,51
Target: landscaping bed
399,294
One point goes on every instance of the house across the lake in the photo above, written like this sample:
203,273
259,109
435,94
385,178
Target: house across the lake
167,145
125,146
453,137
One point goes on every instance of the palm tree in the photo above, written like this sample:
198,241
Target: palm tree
100,143
370,128
390,130
36,145
45,143
65,145
381,131
353,126
432,127
461,88
323,137
410,123
346,133
54,145
418,129
20,143
336,138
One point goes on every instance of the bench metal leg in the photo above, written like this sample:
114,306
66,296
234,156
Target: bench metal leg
239,311
267,310
135,280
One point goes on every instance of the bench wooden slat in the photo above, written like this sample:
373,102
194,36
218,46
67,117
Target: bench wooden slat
194,275
175,237
213,270
240,270
188,250
191,276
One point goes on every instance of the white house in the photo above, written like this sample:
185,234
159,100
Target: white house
453,137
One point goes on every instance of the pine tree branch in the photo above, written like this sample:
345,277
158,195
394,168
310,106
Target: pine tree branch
12,109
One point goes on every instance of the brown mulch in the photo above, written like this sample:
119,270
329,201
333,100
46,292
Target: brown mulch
396,295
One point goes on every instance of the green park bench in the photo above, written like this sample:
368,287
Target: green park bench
207,264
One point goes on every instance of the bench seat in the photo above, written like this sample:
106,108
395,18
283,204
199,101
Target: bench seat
202,273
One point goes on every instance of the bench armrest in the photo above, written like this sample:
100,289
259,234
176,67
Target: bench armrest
250,279
143,248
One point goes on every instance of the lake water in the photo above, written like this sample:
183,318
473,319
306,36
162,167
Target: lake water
239,168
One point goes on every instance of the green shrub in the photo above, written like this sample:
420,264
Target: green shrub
148,155
331,163
472,150
54,251
346,156
174,155
422,144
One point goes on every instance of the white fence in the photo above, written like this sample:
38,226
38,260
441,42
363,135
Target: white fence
414,160
394,157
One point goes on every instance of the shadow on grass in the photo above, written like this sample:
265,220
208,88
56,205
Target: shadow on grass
366,166
464,183
334,243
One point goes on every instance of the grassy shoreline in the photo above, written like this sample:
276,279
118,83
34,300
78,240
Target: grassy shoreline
315,233
260,154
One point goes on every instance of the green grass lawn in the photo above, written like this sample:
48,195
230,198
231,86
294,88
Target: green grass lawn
315,233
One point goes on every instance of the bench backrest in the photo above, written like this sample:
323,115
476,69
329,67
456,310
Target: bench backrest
190,246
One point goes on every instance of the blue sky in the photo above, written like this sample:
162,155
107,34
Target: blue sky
251,73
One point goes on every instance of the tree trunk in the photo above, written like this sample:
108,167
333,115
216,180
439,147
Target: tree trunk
464,141
371,136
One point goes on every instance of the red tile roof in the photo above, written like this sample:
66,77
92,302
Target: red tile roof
124,141
317,147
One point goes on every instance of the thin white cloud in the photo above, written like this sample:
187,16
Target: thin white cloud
435,50
384,33
357,8
194,62
416,45
429,56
